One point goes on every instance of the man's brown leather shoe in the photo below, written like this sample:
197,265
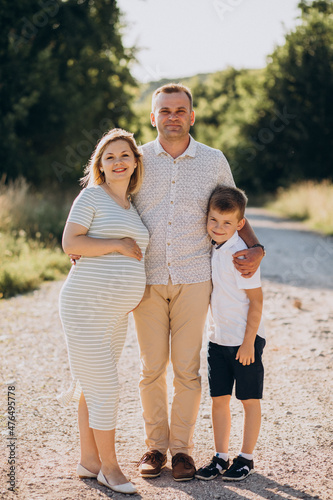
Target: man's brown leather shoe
183,468
151,463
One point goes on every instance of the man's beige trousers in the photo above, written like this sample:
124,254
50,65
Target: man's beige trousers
170,321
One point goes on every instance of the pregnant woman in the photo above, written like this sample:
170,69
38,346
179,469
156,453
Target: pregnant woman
101,289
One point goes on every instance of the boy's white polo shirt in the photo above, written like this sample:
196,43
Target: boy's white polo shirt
229,302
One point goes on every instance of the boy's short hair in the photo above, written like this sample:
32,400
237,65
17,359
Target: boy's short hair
172,88
228,199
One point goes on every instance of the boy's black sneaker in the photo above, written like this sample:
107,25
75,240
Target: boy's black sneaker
210,471
240,469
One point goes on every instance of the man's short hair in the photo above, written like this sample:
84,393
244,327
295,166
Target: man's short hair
172,88
228,199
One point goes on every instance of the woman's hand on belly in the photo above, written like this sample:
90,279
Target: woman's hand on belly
126,246
76,242
130,248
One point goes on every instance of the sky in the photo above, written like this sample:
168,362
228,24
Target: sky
179,38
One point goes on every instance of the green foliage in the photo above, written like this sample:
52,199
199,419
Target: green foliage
64,81
26,263
224,102
292,136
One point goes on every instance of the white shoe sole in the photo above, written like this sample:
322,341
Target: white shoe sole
237,478
184,479
206,478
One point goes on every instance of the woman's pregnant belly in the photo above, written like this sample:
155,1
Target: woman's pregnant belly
112,281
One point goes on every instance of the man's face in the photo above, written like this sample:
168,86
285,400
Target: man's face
172,116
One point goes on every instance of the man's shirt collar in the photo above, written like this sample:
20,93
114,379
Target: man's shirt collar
189,151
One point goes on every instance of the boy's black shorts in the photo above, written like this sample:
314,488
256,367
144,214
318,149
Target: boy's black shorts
224,370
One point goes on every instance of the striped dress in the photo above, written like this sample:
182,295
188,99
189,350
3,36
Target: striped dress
95,301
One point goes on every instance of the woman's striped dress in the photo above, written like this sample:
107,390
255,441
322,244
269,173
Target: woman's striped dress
95,301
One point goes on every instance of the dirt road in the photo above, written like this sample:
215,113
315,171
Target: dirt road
293,458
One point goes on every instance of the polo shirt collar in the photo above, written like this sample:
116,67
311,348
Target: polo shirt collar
229,243
189,151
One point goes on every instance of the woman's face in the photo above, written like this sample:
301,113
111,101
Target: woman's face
118,162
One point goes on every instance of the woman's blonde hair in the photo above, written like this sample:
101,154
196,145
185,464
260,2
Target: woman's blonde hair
92,173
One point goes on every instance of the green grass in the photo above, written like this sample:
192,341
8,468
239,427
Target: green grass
26,263
41,215
307,201
31,224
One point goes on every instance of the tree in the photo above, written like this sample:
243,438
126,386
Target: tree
225,102
292,136
65,80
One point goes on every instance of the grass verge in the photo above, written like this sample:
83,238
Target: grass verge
310,202
31,225
27,263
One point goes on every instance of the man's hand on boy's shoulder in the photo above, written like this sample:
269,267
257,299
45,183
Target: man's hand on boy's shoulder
247,261
245,354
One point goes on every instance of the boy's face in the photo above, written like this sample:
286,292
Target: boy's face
222,225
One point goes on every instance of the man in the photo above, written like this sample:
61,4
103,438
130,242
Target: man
180,175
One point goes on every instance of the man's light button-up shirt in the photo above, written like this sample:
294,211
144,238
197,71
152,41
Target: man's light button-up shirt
172,203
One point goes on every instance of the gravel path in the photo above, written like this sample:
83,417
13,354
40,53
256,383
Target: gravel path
293,458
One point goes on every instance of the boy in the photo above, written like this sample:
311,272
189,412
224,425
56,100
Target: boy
236,337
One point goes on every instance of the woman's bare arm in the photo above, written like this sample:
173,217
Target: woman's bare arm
76,241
